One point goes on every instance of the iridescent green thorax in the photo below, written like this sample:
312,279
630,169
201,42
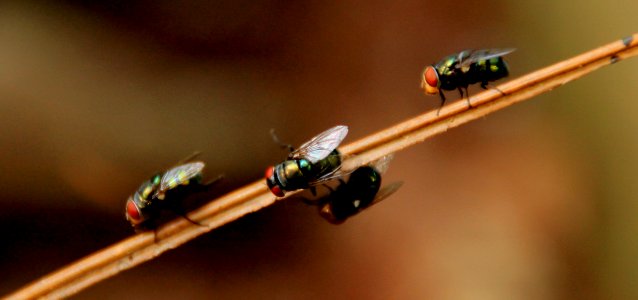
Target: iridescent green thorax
291,174
447,66
298,174
143,196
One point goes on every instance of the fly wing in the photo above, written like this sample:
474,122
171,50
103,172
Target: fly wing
484,54
321,145
180,175
386,191
327,213
336,173
382,164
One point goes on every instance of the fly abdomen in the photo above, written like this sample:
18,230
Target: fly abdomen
352,197
487,70
328,164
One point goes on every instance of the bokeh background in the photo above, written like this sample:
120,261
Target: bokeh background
537,201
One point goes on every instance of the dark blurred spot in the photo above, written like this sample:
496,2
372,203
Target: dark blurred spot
200,28
614,59
50,237
54,236
627,41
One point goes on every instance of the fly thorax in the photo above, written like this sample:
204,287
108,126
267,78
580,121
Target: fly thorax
304,166
446,77
145,193
297,172
155,180
288,174
140,201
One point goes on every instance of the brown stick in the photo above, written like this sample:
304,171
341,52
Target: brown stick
255,196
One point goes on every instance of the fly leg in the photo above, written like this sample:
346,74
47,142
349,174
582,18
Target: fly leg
313,190
145,227
180,211
214,180
487,86
278,141
442,102
206,186
310,202
192,222
183,215
467,94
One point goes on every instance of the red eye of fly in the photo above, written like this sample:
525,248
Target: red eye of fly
132,212
269,171
431,77
276,190
271,182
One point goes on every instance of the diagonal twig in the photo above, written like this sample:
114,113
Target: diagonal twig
255,196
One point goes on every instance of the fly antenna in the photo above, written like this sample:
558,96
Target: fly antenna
189,158
276,139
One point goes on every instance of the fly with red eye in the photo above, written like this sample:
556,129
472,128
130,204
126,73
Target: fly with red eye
314,162
164,191
458,71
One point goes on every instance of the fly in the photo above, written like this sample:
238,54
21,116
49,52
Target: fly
164,191
467,67
314,162
360,191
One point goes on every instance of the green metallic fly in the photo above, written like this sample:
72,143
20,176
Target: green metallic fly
164,191
312,163
467,67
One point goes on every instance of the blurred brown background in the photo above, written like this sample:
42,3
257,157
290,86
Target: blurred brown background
534,202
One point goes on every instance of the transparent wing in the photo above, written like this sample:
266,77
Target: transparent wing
338,172
386,191
477,55
382,164
334,174
321,145
180,174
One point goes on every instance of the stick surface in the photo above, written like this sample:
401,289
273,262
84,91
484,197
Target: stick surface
142,247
